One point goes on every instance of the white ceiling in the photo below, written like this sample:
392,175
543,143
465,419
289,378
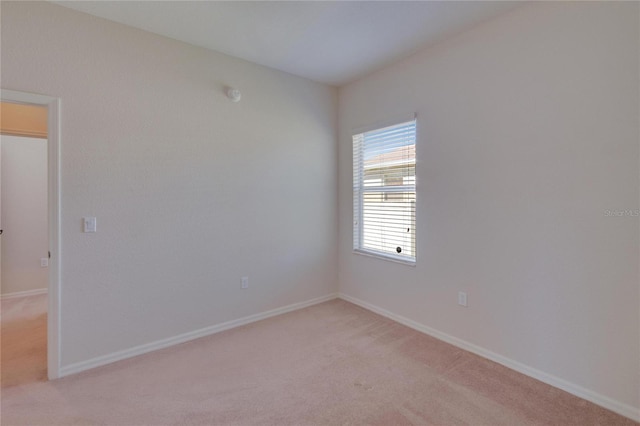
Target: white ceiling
332,42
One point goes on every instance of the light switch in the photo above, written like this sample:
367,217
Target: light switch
89,224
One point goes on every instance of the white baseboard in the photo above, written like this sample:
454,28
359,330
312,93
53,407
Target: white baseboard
601,400
26,293
185,337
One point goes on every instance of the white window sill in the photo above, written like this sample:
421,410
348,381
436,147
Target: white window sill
387,257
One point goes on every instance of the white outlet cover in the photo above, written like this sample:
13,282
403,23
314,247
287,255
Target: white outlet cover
462,298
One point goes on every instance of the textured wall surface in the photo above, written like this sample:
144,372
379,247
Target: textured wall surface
528,135
190,190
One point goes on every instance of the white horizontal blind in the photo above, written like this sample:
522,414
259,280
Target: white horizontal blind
384,191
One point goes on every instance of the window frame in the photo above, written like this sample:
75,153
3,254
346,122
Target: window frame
358,203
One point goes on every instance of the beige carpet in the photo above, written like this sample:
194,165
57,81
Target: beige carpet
330,364
23,340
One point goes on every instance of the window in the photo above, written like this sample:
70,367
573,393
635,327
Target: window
384,192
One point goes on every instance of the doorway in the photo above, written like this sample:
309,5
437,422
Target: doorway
24,242
30,305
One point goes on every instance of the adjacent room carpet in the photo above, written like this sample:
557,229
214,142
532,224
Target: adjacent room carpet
23,340
329,364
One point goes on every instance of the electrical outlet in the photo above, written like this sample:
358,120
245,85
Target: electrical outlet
245,282
44,262
462,298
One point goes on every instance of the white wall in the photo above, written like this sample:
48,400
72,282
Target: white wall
24,213
527,133
191,191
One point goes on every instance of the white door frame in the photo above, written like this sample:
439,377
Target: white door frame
53,152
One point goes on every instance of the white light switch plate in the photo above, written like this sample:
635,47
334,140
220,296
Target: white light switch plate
89,224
